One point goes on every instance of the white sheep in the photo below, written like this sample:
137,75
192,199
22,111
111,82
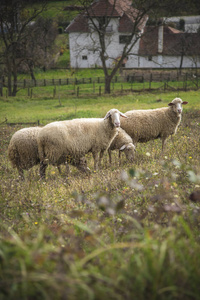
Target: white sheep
146,125
23,151
76,138
124,143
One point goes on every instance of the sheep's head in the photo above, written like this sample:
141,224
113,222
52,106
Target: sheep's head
129,150
176,105
81,164
115,114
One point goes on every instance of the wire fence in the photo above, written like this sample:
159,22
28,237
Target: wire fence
135,83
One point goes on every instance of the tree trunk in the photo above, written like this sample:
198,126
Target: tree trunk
14,90
108,79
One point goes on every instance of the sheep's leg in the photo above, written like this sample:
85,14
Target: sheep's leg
21,173
95,157
43,167
100,157
119,157
163,144
110,156
59,169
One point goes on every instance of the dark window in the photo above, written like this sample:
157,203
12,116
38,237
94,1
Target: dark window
150,58
124,39
84,57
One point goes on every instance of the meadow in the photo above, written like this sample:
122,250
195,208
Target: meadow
126,231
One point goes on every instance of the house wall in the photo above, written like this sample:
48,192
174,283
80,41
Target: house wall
85,48
85,52
168,62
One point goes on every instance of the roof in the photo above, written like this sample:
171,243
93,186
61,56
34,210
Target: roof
175,42
122,9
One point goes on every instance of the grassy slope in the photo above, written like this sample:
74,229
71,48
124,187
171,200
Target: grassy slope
140,241
24,109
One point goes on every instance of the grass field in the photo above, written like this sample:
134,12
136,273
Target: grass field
128,231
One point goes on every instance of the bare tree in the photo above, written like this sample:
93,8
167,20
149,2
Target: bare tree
132,15
15,20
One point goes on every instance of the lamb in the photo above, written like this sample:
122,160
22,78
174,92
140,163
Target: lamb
146,125
76,138
23,151
122,142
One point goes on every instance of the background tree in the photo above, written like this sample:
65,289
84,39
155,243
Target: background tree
140,11
16,16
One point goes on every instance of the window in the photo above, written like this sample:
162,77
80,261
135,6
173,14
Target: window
124,39
84,57
150,58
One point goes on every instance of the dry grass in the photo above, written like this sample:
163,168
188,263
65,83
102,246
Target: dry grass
123,231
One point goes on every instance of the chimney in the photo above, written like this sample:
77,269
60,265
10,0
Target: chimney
160,38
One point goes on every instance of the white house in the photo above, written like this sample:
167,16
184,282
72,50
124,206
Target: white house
158,47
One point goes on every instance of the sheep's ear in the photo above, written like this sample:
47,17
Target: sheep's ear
122,148
107,115
123,115
171,104
184,102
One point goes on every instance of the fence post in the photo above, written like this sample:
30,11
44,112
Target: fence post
150,80
54,92
28,91
31,93
77,91
24,83
99,90
93,87
6,93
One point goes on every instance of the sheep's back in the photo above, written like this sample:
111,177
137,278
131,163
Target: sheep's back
73,137
144,125
121,138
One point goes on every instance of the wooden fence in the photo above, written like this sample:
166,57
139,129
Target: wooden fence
133,82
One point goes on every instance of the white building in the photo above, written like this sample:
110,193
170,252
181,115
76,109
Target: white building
158,47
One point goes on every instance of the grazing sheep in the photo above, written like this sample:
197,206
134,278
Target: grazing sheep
146,125
122,142
23,151
76,138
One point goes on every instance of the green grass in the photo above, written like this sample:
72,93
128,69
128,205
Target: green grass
127,231
45,108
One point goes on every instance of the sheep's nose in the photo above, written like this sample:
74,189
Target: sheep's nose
179,111
117,124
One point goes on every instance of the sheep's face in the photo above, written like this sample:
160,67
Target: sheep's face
129,151
176,105
115,114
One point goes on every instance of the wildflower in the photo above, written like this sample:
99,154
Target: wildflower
190,157
36,223
148,154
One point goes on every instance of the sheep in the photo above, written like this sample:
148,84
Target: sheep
146,125
122,142
23,151
76,138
